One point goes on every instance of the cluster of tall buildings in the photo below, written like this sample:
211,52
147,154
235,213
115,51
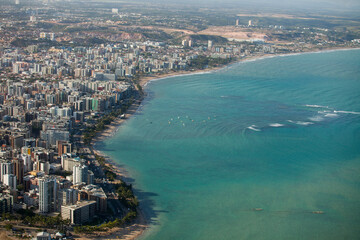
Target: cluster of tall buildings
107,62
112,62
40,167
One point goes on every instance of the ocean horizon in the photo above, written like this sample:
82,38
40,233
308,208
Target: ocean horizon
264,149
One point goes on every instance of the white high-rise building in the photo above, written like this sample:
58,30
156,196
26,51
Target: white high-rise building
19,90
10,180
16,68
37,68
11,90
210,44
27,162
68,163
44,167
52,36
191,43
90,179
47,194
5,168
80,174
64,112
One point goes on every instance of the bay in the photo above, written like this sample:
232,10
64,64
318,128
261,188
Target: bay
265,149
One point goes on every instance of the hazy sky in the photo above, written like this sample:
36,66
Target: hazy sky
336,5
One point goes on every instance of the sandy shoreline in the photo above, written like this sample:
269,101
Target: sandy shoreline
141,224
112,128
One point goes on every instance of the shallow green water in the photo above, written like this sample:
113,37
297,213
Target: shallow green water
206,150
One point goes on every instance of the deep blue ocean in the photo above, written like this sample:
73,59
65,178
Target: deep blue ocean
265,149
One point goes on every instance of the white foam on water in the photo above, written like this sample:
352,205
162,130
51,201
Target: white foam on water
253,127
276,125
315,106
301,123
331,115
316,119
348,112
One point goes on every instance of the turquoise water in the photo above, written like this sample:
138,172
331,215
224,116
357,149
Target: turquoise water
281,134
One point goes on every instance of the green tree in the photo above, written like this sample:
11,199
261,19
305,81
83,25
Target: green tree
8,226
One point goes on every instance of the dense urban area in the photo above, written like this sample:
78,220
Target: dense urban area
68,71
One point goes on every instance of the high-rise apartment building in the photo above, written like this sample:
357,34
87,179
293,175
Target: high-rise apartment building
6,167
210,44
68,196
10,180
80,174
19,165
47,194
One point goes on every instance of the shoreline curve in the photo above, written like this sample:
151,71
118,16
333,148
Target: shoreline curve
141,224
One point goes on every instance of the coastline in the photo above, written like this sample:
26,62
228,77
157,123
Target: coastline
140,225
144,81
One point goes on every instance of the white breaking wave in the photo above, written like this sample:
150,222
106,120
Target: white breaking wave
331,115
316,119
327,111
315,106
348,112
253,127
276,125
301,123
